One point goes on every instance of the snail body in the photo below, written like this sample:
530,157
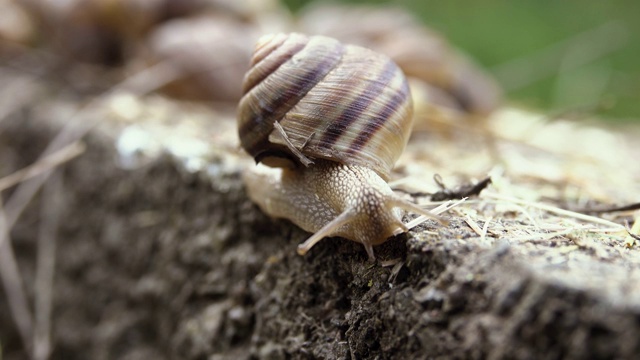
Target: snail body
331,119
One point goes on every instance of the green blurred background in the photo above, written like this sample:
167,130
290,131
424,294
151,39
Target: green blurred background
574,58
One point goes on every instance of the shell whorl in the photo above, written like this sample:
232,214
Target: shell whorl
333,101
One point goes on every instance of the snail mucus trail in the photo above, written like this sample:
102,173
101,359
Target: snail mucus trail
330,120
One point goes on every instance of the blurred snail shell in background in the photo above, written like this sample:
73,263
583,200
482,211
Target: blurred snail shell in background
334,118
72,30
421,53
94,31
210,53
134,18
107,32
207,42
16,25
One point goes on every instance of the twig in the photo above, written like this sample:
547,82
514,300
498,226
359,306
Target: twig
140,84
633,234
46,164
462,191
485,229
473,225
45,265
13,286
439,210
555,210
635,206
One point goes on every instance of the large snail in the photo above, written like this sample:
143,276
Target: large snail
331,119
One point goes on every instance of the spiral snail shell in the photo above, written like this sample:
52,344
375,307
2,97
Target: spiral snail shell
331,119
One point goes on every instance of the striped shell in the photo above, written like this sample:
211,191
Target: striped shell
314,97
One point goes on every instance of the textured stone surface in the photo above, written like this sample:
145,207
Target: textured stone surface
169,260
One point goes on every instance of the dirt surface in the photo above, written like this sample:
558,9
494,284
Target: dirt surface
158,258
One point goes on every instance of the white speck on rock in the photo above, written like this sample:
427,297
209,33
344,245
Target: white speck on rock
134,145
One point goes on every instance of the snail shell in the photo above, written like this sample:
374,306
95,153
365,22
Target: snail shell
309,98
210,53
334,118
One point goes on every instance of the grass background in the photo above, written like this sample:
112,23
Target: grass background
577,57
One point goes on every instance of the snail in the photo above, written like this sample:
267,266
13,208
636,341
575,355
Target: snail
330,120
210,53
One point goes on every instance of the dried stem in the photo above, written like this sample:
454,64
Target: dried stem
142,83
13,286
46,164
49,221
554,209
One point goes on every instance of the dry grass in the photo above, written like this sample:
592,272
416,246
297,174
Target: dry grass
35,334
